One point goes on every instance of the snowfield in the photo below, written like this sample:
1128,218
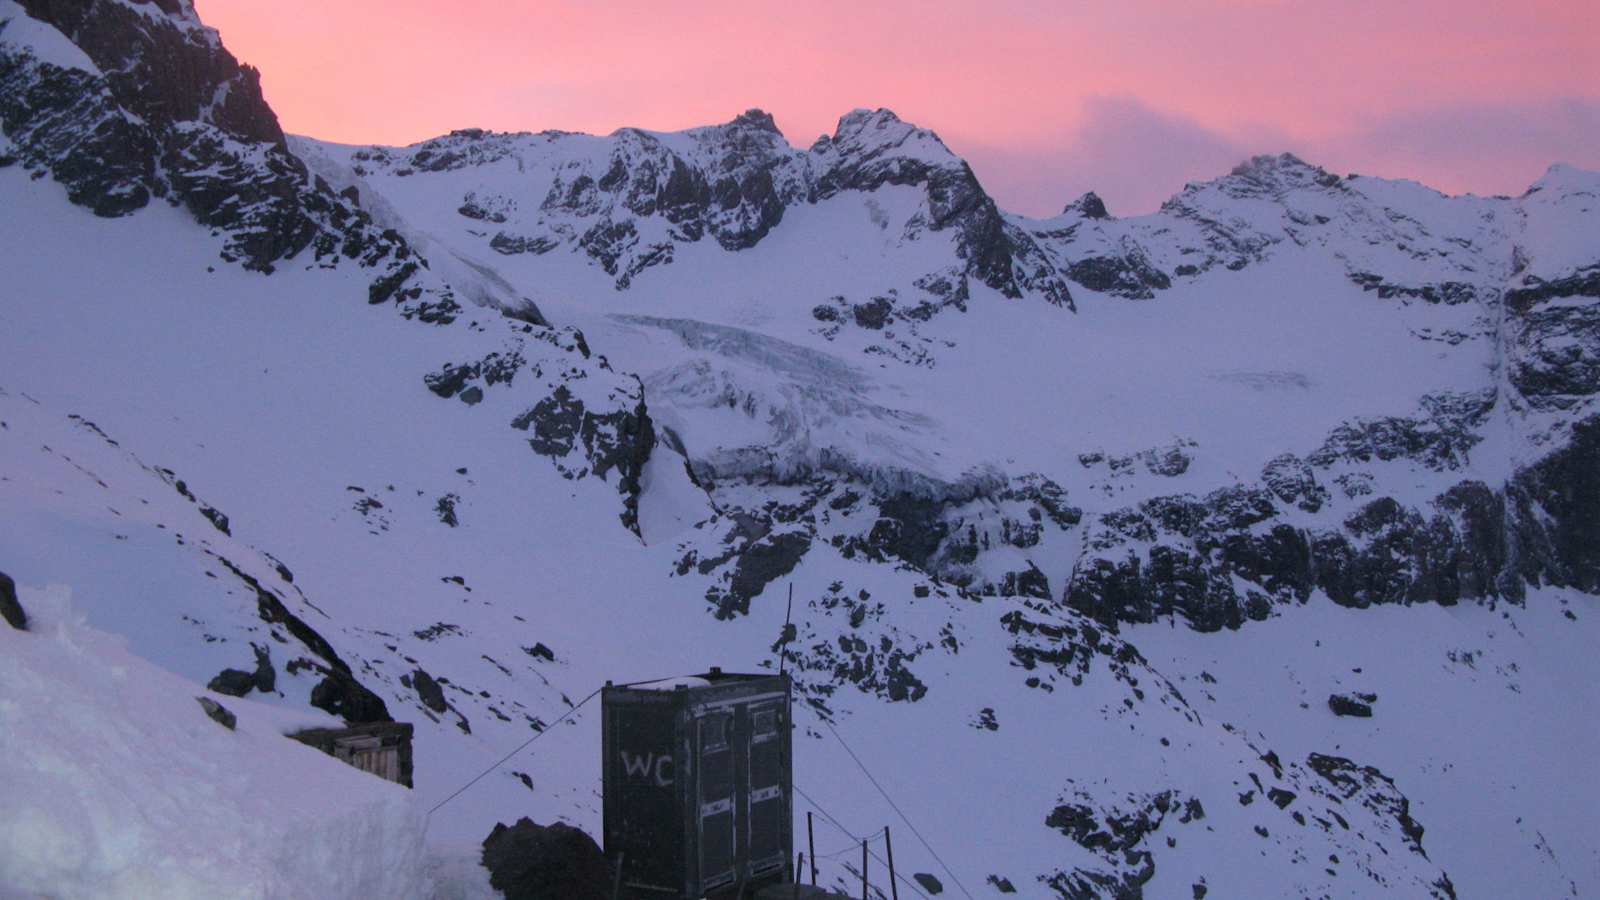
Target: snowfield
1087,519
118,785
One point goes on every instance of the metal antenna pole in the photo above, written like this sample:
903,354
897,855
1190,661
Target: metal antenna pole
894,887
810,841
864,871
783,648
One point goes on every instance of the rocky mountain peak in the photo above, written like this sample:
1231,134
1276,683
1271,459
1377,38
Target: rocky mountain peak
866,134
163,65
1089,206
1267,174
757,119
1563,178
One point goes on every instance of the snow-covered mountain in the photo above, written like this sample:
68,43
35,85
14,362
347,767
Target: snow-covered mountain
455,432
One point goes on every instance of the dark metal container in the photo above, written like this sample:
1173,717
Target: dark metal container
698,780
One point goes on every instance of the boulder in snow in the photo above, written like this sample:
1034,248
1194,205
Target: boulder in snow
528,862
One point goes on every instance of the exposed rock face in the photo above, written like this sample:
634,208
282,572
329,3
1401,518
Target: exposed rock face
584,441
1116,835
870,149
343,696
1555,516
1185,555
67,121
1089,206
1376,791
1555,340
163,65
534,862
156,107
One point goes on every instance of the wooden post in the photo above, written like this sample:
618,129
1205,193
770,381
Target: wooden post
811,848
894,886
864,871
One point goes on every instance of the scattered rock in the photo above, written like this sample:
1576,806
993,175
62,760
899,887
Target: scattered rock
445,508
1351,705
218,713
1003,885
232,682
431,694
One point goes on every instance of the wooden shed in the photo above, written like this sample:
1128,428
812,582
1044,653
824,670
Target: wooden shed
382,748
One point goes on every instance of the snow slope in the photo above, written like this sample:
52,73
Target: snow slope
1329,424
531,551
117,784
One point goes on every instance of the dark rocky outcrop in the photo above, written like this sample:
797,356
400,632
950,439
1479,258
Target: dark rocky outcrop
1088,206
758,564
1554,344
1373,789
1199,547
339,692
164,71
1186,555
1358,705
619,439
341,695
1118,837
428,691
67,122
169,113
1128,275
538,862
218,713
10,607
232,682
865,153
1555,510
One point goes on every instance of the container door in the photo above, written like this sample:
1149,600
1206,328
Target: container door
717,811
644,816
768,811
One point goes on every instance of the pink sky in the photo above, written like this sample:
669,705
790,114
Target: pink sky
1046,98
